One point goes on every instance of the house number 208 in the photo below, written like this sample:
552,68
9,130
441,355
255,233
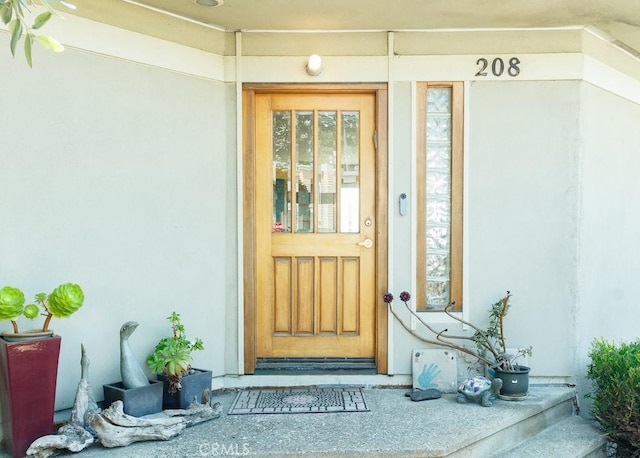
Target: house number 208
498,66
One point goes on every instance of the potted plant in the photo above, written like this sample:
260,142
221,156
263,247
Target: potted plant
490,344
29,364
65,300
139,395
171,360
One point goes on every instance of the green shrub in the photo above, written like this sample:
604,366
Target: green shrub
615,375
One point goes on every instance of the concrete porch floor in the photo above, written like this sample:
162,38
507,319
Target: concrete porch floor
394,427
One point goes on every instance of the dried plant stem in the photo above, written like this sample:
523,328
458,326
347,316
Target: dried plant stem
503,312
440,341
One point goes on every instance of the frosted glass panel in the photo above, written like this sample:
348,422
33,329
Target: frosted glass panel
281,219
438,191
439,156
439,183
439,100
438,128
438,213
437,294
438,239
437,265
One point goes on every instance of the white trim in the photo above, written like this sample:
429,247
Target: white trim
412,199
390,201
240,203
176,16
608,78
535,66
101,39
291,69
445,30
465,202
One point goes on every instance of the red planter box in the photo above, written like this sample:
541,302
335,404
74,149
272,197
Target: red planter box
28,374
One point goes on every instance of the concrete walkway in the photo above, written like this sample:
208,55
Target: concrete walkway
394,426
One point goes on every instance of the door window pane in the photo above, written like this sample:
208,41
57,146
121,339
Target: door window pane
327,180
316,171
304,185
281,220
350,173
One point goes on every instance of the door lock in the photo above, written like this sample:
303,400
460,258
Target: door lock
367,243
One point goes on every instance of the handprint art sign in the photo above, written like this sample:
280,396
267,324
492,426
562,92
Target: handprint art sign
435,368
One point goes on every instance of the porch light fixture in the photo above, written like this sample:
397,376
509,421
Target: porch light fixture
314,65
209,2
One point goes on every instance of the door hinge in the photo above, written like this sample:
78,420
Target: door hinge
375,139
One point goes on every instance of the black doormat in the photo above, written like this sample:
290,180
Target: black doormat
299,400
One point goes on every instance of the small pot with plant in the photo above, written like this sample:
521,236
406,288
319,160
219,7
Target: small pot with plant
171,360
29,364
490,344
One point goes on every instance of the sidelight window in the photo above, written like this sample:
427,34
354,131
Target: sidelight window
439,199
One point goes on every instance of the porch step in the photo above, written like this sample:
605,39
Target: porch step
573,437
394,427
520,428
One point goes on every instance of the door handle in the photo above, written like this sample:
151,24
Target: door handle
367,243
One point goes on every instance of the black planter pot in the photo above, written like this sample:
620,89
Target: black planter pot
137,402
515,383
192,387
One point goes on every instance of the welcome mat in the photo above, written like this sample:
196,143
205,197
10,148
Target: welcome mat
299,400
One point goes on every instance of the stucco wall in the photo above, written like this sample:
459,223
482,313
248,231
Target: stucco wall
523,182
521,214
114,175
609,222
122,177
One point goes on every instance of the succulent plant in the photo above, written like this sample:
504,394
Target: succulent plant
172,355
11,304
65,300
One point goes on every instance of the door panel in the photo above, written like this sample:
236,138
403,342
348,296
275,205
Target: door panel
315,228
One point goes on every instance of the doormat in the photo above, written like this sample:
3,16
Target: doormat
299,400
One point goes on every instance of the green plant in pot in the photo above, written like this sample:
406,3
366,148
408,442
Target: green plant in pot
171,360
29,363
490,345
62,302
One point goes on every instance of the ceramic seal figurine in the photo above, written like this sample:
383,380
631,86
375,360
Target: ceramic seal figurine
479,389
132,374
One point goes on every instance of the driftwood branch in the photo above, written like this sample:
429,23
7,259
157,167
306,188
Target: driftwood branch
115,428
71,437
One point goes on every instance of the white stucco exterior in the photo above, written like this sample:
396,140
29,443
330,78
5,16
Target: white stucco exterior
119,170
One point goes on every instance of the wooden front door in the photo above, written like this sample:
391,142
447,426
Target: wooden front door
315,225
